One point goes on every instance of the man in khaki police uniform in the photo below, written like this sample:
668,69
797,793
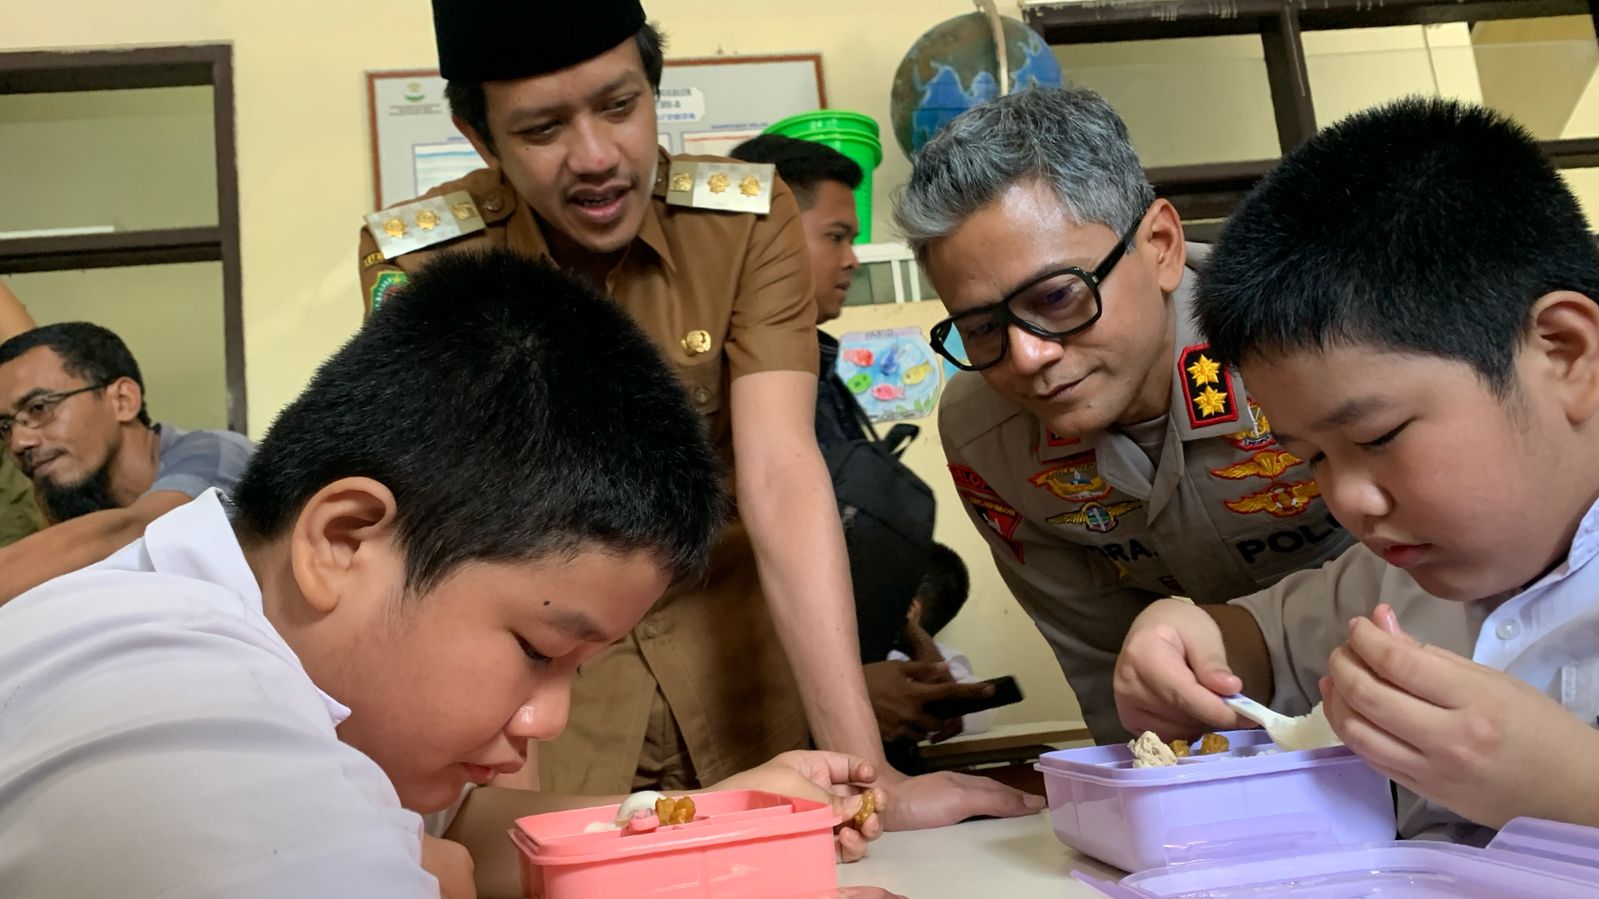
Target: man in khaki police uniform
709,257
1107,459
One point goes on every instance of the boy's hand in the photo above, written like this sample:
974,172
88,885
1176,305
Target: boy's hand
1172,673
831,777
900,690
451,865
1477,741
922,646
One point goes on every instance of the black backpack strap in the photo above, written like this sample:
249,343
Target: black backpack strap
899,437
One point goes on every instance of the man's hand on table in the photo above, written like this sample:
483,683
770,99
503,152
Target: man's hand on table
945,797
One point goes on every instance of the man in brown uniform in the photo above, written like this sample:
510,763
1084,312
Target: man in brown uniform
1107,459
708,256
19,512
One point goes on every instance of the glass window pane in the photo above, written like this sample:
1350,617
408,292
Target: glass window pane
1541,71
1354,69
128,159
1585,184
1185,101
169,315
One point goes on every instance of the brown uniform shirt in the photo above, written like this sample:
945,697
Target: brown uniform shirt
711,647
1087,530
19,513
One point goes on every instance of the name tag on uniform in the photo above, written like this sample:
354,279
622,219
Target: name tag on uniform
728,186
423,223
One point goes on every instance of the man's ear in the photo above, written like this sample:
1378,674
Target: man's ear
1564,342
344,545
479,142
127,398
1163,232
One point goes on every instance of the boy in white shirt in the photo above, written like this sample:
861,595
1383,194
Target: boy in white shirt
1411,296
488,484
940,597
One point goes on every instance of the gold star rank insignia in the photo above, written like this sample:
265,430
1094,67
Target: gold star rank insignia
1205,370
1207,385
1211,402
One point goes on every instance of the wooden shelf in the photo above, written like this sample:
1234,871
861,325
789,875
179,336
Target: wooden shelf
120,248
1103,21
1212,191
131,68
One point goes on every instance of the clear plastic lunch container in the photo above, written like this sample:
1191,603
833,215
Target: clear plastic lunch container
1529,859
741,843
1252,800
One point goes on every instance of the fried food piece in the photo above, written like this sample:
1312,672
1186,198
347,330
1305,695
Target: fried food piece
1210,744
868,806
1180,749
1149,751
685,811
674,811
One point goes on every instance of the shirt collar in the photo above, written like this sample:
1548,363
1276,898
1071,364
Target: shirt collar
1584,546
196,541
1208,398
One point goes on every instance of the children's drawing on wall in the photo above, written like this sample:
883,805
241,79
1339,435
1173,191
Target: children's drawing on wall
893,373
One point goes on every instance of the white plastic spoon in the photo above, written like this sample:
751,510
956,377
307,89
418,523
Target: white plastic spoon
1290,734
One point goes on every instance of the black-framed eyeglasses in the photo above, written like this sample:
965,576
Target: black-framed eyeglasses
39,411
1052,306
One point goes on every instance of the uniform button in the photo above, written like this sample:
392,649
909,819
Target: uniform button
650,630
702,395
1507,630
493,203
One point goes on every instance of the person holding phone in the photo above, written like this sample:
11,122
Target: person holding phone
925,689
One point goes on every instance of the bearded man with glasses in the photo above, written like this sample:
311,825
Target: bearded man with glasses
1102,453
73,418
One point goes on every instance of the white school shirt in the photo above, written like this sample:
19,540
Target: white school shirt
158,738
1546,635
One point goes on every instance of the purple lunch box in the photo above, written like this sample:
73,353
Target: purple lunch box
1529,859
1252,801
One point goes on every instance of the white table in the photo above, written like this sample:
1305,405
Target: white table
1011,857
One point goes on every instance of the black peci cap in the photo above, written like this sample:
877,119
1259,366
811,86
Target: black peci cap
500,40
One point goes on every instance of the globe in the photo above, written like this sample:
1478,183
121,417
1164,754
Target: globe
954,67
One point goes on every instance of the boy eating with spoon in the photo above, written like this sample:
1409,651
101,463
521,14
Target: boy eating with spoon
1411,296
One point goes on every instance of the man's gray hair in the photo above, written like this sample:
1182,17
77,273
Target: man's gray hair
1068,138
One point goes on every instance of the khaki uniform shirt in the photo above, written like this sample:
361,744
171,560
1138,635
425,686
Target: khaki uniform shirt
744,281
19,513
1087,531
1305,616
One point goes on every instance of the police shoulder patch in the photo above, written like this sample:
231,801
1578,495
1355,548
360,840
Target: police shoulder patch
1001,517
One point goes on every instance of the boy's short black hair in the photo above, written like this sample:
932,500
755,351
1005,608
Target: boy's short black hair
468,103
513,412
943,589
87,351
1426,226
802,164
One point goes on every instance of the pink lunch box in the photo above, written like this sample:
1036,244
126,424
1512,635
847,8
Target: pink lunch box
741,843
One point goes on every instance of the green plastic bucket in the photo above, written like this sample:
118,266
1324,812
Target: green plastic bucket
850,133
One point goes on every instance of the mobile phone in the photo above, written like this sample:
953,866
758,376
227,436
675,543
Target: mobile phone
1006,692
